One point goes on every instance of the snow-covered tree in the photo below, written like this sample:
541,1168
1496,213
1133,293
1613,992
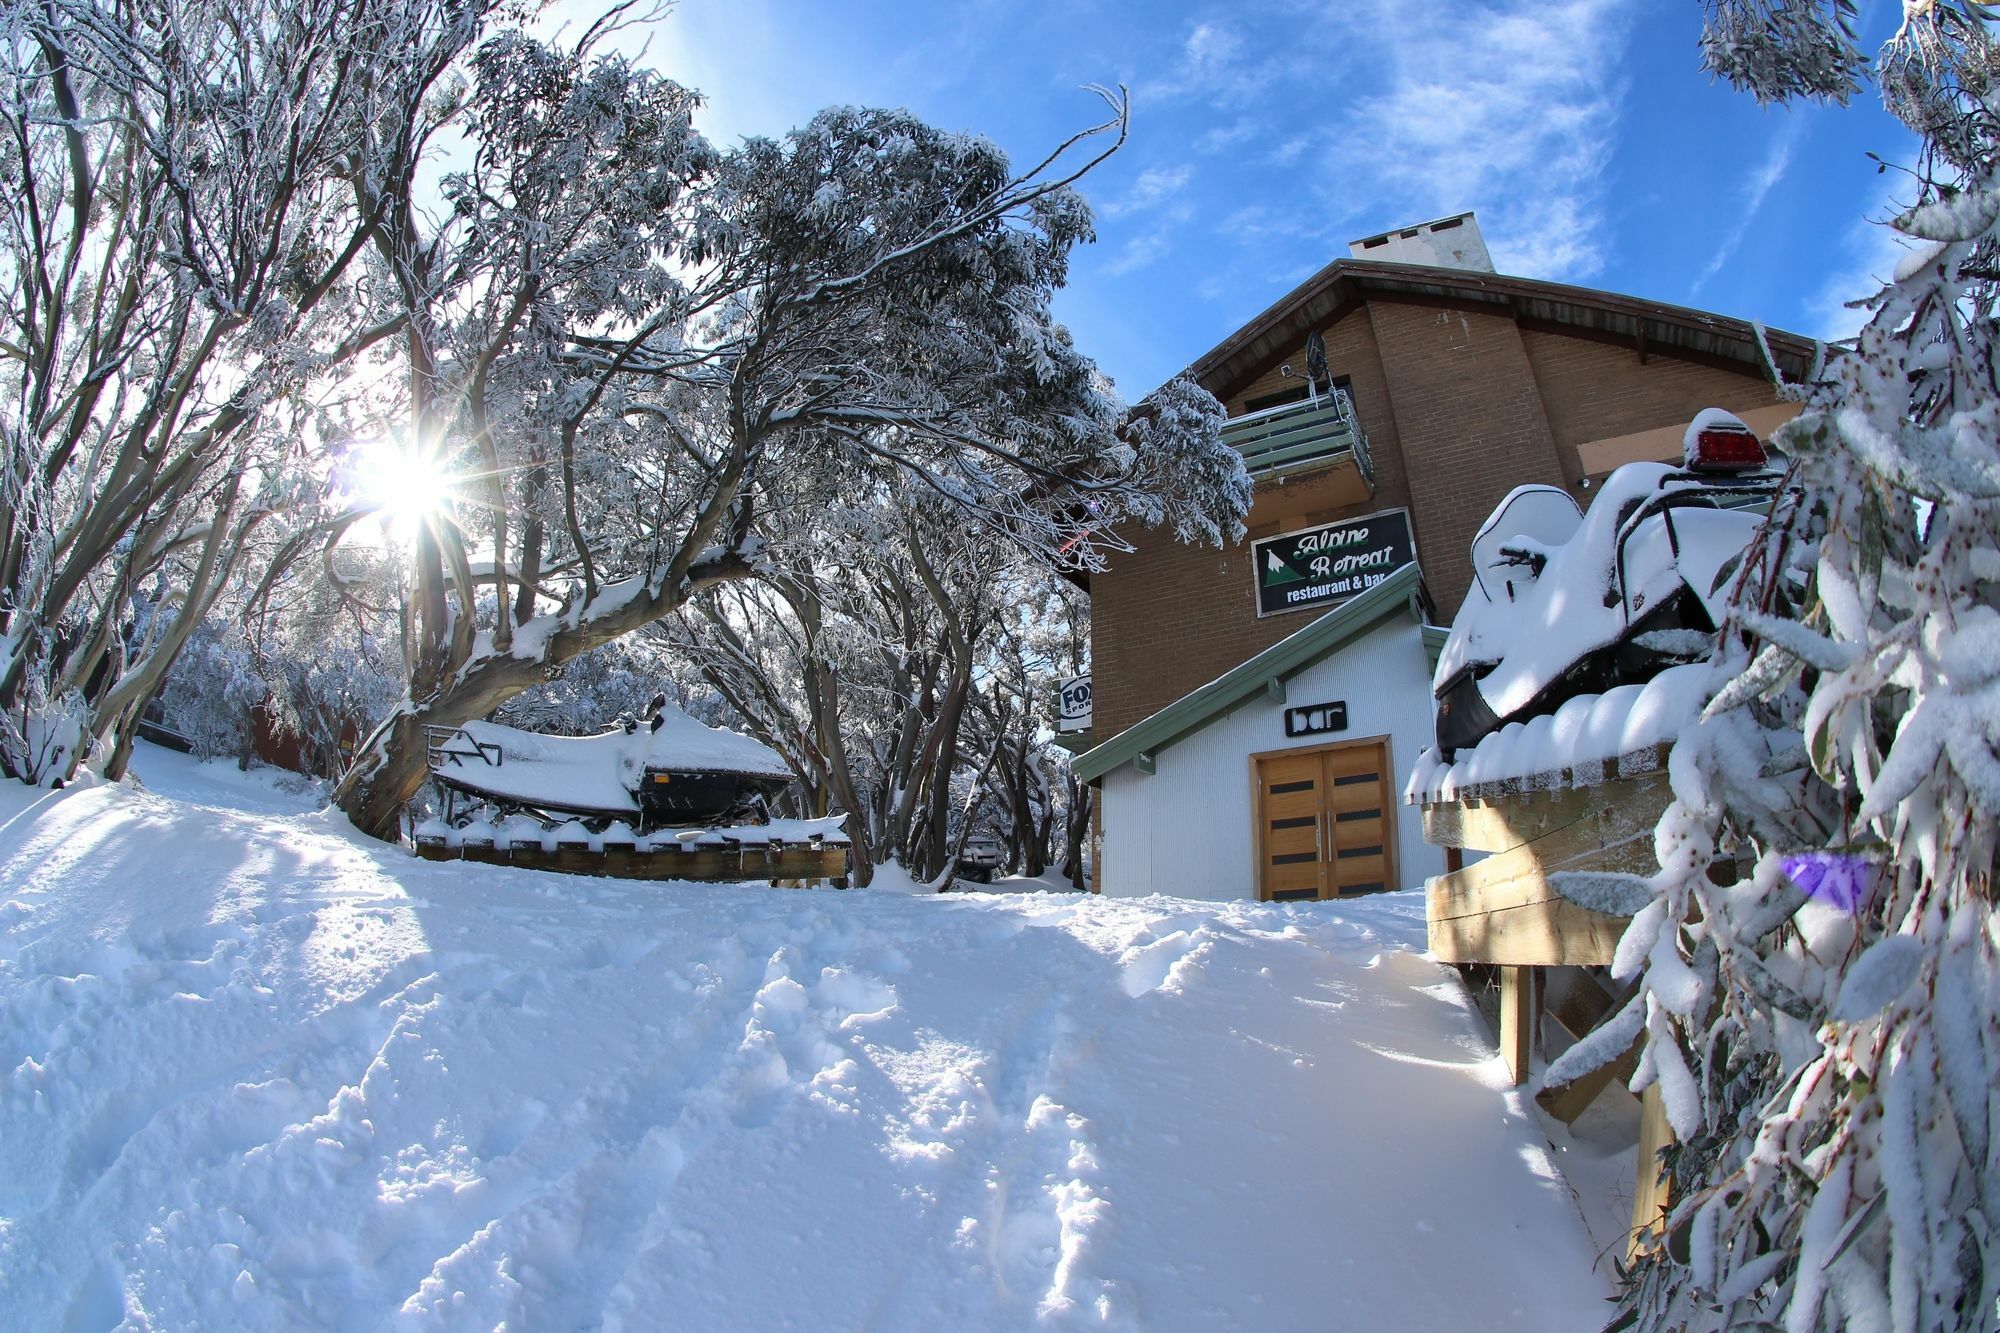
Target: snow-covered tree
1825,1028
854,655
645,347
1029,798
180,243
214,689
902,659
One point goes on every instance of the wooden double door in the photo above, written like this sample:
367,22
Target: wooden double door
1326,821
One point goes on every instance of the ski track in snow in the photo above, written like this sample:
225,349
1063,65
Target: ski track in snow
258,1073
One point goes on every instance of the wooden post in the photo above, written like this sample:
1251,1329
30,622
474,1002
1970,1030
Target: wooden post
1517,1020
1650,1196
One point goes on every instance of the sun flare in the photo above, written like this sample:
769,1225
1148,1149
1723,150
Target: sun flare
405,484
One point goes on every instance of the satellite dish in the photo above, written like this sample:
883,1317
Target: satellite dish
1316,371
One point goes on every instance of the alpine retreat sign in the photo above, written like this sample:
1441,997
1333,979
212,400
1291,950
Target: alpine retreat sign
1325,566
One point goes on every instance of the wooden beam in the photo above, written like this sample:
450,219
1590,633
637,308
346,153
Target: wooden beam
1503,822
1517,1021
1504,909
1651,1196
800,864
1567,1101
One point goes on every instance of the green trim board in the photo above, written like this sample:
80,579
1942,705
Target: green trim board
1434,637
1265,673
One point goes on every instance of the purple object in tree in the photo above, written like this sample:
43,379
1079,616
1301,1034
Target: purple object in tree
1839,879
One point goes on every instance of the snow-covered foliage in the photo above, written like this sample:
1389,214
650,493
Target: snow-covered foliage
212,690
653,350
582,373
1825,1031
904,661
592,693
179,277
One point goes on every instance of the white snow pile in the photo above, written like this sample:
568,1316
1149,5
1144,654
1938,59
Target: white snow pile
259,1073
1573,745
528,832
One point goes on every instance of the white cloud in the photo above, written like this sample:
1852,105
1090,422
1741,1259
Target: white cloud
1215,66
1867,254
1211,48
1222,137
1288,152
1154,186
1509,107
1756,189
1138,252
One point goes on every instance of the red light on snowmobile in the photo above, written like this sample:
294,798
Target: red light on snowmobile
1726,449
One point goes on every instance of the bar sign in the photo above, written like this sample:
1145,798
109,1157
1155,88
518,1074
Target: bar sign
1316,719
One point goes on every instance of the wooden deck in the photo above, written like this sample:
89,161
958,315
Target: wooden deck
1507,911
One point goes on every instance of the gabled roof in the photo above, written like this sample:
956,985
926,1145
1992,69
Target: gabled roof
1346,284
1264,673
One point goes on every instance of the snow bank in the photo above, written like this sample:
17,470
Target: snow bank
257,1073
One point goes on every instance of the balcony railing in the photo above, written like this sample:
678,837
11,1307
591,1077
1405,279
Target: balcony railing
1280,439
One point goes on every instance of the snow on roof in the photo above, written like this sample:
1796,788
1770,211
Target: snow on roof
601,772
1576,746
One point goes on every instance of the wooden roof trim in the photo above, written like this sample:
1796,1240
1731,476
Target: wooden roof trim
1345,282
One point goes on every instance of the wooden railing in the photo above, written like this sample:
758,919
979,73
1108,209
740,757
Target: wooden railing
1297,434
454,745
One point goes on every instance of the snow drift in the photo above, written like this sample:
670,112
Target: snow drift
256,1072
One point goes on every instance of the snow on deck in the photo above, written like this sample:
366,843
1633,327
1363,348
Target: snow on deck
529,832
257,1072
1586,740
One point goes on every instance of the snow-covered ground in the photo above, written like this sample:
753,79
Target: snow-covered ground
257,1072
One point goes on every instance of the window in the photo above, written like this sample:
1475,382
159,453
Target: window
1278,399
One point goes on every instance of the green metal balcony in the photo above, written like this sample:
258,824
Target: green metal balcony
1299,435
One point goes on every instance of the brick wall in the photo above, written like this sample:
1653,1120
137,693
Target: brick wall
1460,407
1473,428
1598,390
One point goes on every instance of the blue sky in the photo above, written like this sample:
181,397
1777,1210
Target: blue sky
1268,134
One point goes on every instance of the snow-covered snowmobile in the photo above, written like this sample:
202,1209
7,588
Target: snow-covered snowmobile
1565,603
662,770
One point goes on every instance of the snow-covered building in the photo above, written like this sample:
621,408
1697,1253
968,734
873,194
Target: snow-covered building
1257,710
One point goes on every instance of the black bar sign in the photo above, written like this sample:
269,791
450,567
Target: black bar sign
1316,719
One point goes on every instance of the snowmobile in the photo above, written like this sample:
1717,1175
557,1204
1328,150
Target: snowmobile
662,770
1565,603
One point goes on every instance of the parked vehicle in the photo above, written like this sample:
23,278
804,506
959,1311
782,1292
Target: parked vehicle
979,859
1565,603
